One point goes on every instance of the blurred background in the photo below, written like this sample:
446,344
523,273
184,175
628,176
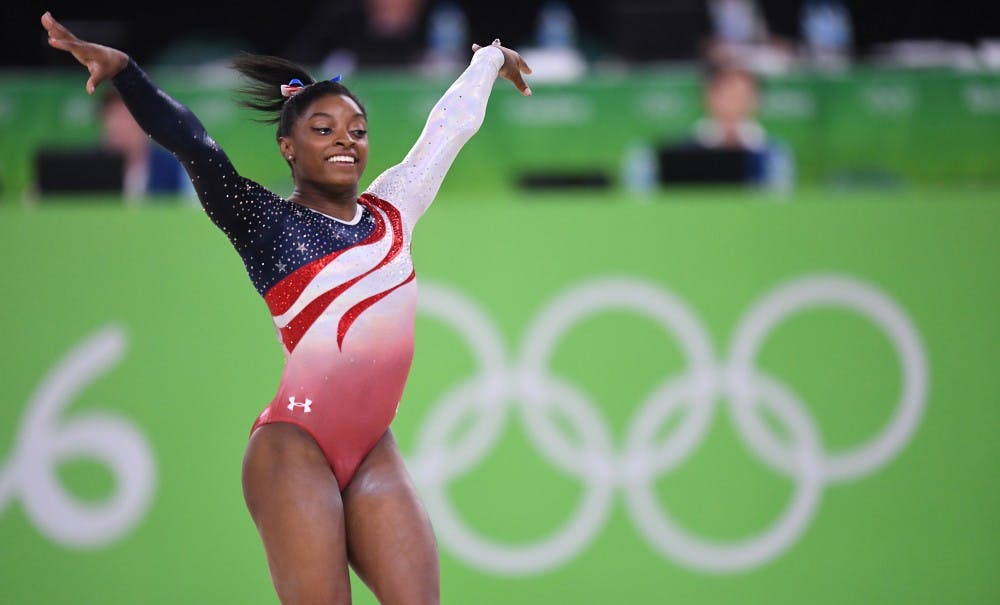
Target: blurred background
745,251
829,94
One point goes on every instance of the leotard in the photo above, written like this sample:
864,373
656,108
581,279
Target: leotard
342,293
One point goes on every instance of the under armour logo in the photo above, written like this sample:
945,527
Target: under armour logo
292,404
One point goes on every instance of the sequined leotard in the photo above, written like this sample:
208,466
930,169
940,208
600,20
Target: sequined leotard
342,293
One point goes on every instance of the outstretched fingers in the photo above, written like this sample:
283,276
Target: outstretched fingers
63,39
513,67
57,32
101,61
518,79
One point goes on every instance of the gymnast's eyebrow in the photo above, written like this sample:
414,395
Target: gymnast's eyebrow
326,115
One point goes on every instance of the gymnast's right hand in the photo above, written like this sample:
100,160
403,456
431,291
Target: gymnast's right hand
102,62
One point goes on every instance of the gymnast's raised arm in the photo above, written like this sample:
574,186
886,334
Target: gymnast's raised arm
168,122
412,184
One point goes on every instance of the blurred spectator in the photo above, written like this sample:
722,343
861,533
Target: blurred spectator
149,170
827,33
345,35
643,30
737,24
447,47
728,144
555,54
124,162
740,32
730,96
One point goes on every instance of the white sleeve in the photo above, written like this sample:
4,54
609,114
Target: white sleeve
412,184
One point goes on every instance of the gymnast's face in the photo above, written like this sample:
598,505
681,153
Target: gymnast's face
328,143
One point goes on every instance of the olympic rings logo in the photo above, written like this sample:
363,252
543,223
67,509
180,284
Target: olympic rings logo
43,442
484,398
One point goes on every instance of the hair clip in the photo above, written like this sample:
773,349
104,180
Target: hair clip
293,87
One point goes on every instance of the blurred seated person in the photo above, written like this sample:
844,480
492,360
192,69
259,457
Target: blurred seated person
730,96
728,145
150,170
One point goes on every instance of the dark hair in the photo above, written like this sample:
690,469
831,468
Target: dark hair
266,74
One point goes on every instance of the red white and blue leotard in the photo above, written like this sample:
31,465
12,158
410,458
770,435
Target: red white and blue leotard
342,293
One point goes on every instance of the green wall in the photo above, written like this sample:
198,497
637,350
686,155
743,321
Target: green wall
707,399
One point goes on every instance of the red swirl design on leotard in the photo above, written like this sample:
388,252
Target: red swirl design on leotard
295,284
353,313
283,294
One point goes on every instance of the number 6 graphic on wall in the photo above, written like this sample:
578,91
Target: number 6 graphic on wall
43,441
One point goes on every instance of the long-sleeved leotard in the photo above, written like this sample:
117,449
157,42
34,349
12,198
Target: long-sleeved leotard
342,293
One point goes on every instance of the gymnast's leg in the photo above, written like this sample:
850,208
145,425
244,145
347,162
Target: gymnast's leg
389,537
296,504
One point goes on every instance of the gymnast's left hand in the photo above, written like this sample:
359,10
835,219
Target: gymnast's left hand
513,67
103,62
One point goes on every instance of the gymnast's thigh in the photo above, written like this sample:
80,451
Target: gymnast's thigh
296,504
390,541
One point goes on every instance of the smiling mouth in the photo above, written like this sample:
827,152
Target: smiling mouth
342,159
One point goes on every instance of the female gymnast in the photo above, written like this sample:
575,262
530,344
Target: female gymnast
323,478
